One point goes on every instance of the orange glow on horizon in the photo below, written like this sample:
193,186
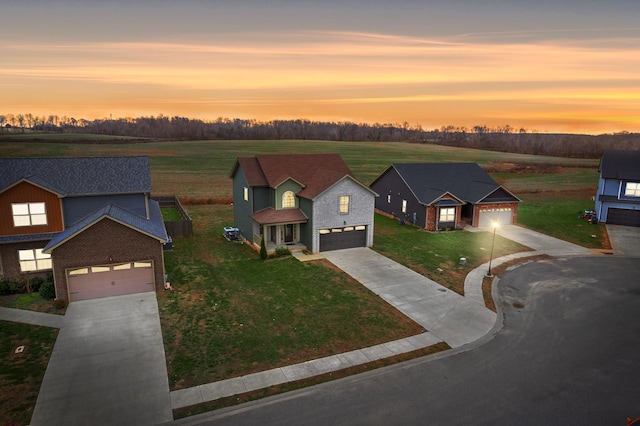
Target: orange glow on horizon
336,76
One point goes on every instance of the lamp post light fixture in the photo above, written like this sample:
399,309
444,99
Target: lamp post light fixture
495,224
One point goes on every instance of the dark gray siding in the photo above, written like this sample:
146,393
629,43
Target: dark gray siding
241,208
392,184
76,208
306,229
262,198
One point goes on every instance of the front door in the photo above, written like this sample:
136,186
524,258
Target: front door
288,233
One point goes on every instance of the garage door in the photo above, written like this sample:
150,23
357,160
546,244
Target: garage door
503,216
342,238
623,217
93,282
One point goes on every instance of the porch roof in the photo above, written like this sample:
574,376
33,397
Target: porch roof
271,216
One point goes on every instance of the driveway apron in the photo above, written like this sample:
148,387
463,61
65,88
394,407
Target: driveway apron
443,312
107,367
625,240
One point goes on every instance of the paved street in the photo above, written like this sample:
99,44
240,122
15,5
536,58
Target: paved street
567,354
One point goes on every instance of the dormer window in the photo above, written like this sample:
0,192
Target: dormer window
632,189
29,214
288,200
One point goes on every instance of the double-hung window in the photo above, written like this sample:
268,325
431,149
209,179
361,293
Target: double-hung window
632,189
29,214
448,214
404,206
344,204
34,260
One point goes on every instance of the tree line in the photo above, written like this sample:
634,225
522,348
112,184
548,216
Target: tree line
498,138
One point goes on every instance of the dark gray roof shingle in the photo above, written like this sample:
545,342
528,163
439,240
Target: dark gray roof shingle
154,226
80,175
622,165
429,181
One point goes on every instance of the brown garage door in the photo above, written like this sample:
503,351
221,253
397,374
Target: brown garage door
623,217
342,238
93,282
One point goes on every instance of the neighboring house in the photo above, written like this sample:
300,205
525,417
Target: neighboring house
618,198
437,196
310,200
87,220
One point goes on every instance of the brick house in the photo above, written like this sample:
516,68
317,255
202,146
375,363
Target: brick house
301,200
437,196
88,220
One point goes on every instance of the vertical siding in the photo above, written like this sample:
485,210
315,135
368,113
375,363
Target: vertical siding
25,192
241,208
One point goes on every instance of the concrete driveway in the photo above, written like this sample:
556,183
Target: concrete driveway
625,240
544,244
451,317
107,367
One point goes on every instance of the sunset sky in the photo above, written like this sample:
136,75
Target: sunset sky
550,66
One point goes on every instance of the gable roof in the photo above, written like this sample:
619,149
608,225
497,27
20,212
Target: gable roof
67,176
623,165
153,227
430,181
315,172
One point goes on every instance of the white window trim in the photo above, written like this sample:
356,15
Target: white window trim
445,212
632,193
34,260
29,214
245,193
288,195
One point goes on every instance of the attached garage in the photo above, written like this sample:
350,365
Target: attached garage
343,238
94,282
623,217
503,215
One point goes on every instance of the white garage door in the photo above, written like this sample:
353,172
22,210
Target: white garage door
93,282
502,215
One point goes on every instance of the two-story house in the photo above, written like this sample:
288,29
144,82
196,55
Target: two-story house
437,196
88,220
311,200
618,197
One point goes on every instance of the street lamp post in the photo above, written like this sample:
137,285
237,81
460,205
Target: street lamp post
495,225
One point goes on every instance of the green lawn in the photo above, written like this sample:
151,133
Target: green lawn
437,255
231,313
557,215
200,169
21,373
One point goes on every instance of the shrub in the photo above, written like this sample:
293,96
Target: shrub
47,290
11,286
263,249
36,283
281,251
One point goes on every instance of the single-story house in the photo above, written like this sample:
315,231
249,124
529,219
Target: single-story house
618,197
301,200
437,196
87,220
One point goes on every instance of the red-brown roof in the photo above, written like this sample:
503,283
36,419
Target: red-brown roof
271,216
315,172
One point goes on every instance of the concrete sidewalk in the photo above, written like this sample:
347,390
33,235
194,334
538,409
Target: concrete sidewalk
30,317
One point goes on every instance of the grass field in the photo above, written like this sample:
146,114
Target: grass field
200,169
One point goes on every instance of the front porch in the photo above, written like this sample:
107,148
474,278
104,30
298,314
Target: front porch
272,245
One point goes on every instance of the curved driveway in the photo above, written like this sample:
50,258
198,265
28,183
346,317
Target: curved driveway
567,354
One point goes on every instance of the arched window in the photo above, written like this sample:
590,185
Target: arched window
288,200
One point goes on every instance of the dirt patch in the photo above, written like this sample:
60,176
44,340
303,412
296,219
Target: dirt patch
521,168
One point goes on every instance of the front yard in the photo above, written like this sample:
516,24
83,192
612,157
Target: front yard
232,314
